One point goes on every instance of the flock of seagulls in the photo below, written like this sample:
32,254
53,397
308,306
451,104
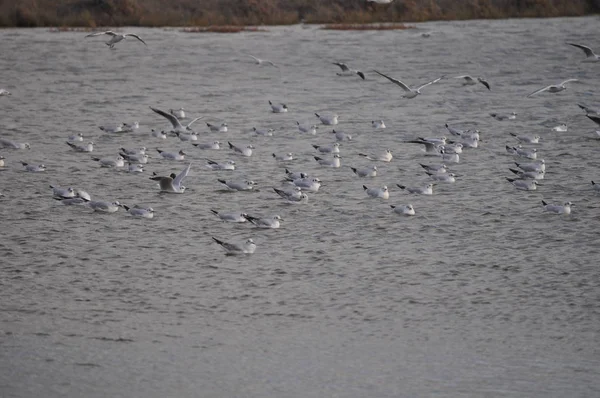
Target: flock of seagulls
298,186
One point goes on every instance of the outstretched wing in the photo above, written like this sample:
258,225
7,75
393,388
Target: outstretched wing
342,65
177,181
588,51
171,118
466,77
539,91
136,36
395,81
227,246
484,82
567,81
431,82
108,32
190,123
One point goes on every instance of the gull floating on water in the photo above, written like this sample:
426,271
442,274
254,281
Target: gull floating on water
407,210
501,116
596,186
135,151
291,175
263,132
265,222
172,183
377,124
523,185
4,92
538,166
110,162
131,127
525,152
278,108
221,128
172,155
247,247
558,209
209,145
427,190
143,212
1,161
335,148
4,143
346,71
435,168
259,61
246,185
382,192
192,136
112,129
554,88
529,175
177,126
135,168
589,54
104,207
430,147
307,129
409,92
227,165
335,162
137,158
245,151
308,184
284,157
328,120
230,217
527,139
62,192
159,134
116,37
33,168
82,148
470,81
292,197
75,137
385,156
442,177
368,172
560,128
341,136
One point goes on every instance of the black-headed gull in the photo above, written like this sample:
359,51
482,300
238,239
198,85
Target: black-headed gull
137,211
172,184
115,37
335,148
110,162
558,209
427,190
34,168
221,128
178,113
385,156
4,143
82,148
265,222
524,185
589,54
409,92
278,108
246,185
292,197
177,126
104,207
284,157
328,120
335,162
230,217
247,247
382,192
406,210
553,88
346,71
208,145
4,92
368,172
244,151
470,81
172,155
227,165
527,139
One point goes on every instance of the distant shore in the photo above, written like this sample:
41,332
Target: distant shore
179,13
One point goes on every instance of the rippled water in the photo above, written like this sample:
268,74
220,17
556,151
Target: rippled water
479,294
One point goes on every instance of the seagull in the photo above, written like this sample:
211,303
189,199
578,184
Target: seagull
470,81
307,129
82,148
104,207
435,168
335,162
192,136
4,92
34,168
1,161
222,128
291,175
328,121
377,124
594,118
554,88
501,117
524,185
172,183
382,192
588,110
4,143
209,145
278,108
143,212
135,151
428,190
558,209
131,127
589,54
135,168
527,139
177,126
561,128
449,157
452,148
292,197
385,156
247,248
267,222
596,186
308,184
341,136
238,185
538,166
178,113
143,159
112,129
285,157
410,92
172,155
346,71
245,151
407,210
529,175
62,192
526,153
230,217
259,61
368,172
159,134
335,148
430,147
75,137
116,37
263,132
442,177
111,162
227,165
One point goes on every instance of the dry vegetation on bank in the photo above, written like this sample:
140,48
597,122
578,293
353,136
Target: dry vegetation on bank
93,13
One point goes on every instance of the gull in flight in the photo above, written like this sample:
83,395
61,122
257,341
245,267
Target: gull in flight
346,71
116,37
247,248
558,209
177,126
266,222
172,183
553,88
230,217
259,61
410,92
589,54
471,81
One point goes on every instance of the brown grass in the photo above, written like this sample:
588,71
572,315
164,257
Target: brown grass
223,29
353,26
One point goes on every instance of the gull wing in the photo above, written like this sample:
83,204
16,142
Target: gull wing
342,65
431,82
395,81
484,82
588,51
594,118
539,91
258,60
567,81
108,32
466,77
177,181
136,36
228,246
171,118
198,118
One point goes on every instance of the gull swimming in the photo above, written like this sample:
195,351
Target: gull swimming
159,134
341,136
178,113
385,156
538,166
470,81
589,54
527,139
247,247
210,145
560,128
222,128
143,159
292,197
524,185
501,116
368,172
442,177
172,155
335,162
449,157
382,192
335,148
307,129
4,92
435,168
291,175
407,210
1,161
346,71
265,222
308,184
430,147
116,37
246,185
328,120
378,124
62,192
172,183
284,157
409,92
230,217
175,123
278,108
558,209
427,190
113,129
129,128
82,148
75,137
135,168
4,143
259,61
104,207
142,212
33,168
529,175
263,132
526,153
452,148
554,88
227,165
596,186
110,162
245,151
192,136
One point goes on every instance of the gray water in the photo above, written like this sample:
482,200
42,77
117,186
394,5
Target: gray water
480,294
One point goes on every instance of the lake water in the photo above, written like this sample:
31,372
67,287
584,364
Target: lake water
481,293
